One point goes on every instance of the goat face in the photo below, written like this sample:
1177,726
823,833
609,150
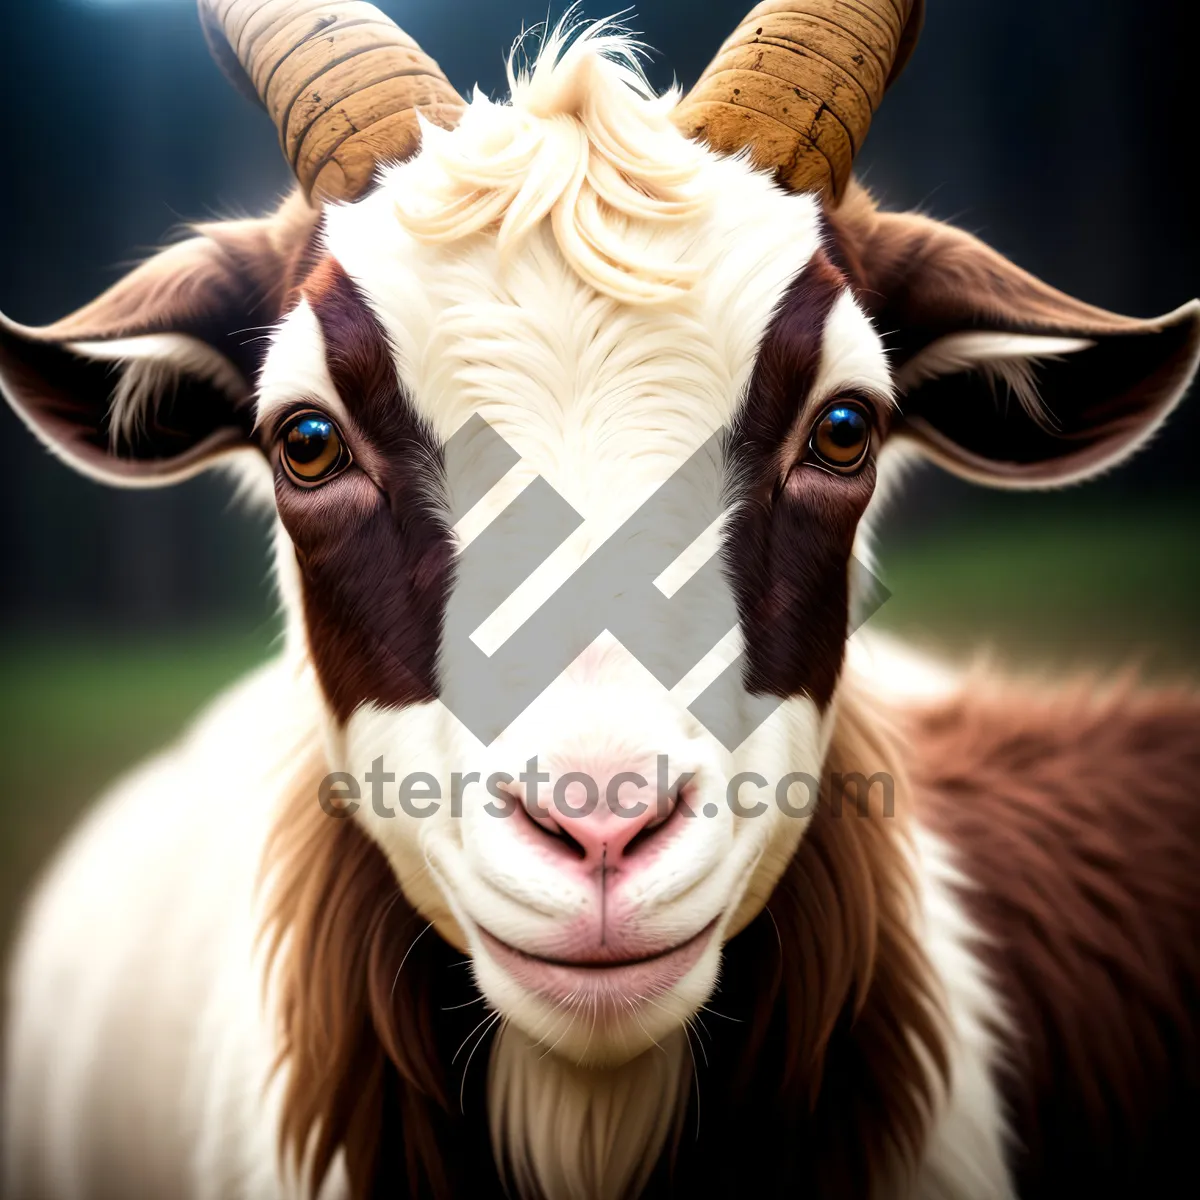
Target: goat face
481,376
583,846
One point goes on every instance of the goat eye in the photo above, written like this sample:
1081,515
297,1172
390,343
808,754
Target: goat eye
312,448
841,437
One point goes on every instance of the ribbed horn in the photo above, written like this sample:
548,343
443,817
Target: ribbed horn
341,81
798,82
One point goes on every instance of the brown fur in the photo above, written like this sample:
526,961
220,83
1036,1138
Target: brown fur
787,546
360,1040
374,555
823,1075
230,271
829,1003
1076,812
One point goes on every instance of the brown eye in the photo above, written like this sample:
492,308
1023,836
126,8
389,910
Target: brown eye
841,437
312,448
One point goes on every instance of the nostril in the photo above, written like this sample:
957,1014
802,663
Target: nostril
577,848
544,829
662,819
642,836
607,824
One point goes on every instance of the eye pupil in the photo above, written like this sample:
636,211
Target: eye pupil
312,448
308,439
842,436
846,427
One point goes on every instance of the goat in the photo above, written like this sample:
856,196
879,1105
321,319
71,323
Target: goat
501,333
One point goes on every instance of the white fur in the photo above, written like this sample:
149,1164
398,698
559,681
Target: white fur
583,145
137,1045
898,672
567,1131
966,1152
852,356
295,372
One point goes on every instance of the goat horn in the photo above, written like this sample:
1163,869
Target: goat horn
797,83
342,82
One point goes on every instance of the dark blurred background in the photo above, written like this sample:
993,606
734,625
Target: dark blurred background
1062,132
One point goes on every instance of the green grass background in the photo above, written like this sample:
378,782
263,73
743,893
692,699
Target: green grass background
77,710
1049,586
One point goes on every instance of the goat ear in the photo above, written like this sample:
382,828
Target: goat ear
1002,378
155,378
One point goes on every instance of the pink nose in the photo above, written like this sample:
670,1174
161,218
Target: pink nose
603,817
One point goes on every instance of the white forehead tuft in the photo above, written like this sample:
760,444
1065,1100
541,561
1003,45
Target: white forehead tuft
584,143
295,369
457,315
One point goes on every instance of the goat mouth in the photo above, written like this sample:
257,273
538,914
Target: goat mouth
596,984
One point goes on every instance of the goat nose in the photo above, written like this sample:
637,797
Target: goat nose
603,818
